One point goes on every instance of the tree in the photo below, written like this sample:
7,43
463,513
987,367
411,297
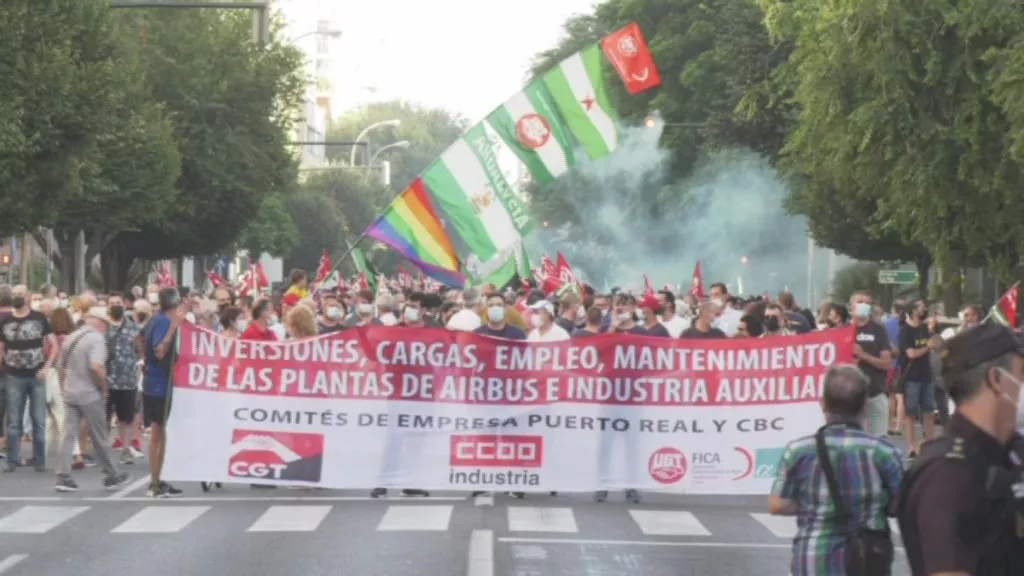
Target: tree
272,231
894,109
319,219
232,106
430,131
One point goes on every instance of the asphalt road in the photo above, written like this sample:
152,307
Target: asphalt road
241,531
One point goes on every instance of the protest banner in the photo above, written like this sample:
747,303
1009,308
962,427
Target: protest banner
397,407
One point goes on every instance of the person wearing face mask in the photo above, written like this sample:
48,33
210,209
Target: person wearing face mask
568,312
545,329
957,509
702,327
674,323
918,388
775,321
415,316
259,327
650,307
874,356
332,316
497,326
122,366
624,316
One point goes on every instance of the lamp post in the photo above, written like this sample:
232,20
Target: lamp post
404,144
362,136
332,34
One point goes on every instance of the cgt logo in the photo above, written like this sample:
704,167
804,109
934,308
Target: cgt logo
766,462
490,450
667,465
267,455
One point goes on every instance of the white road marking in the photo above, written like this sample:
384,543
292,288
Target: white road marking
234,499
38,519
161,519
141,482
484,500
290,519
415,518
779,526
668,523
651,543
481,553
11,561
541,519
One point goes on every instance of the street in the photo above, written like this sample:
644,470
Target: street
238,530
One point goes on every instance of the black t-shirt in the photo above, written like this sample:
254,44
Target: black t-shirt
919,369
637,329
23,340
584,333
658,330
694,333
508,332
873,338
566,324
325,329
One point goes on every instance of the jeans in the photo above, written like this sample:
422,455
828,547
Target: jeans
20,391
919,399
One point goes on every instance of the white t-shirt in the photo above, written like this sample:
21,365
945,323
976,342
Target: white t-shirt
676,325
555,334
388,319
464,321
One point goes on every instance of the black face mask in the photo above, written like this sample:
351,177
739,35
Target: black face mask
117,312
18,302
141,317
771,324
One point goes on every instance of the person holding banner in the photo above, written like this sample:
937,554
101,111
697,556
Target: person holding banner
158,340
544,327
259,327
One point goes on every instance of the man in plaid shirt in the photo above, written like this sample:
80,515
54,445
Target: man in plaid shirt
869,470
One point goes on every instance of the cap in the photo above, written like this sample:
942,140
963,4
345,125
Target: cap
975,346
543,305
98,312
650,301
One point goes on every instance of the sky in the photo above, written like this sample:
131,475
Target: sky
467,56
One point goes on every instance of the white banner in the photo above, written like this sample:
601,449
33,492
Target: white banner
402,408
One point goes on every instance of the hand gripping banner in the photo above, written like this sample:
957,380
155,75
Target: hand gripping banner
398,407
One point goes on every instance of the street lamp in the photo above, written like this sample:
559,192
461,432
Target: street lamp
362,135
404,144
743,260
332,34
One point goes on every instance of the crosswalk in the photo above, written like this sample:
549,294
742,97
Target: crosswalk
522,519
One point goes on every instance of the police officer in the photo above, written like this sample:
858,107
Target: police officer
956,509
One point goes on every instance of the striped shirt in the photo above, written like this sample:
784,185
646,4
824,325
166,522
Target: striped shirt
869,470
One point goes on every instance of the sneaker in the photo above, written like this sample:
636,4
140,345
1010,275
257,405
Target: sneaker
136,453
415,492
600,496
126,458
137,445
90,461
78,464
632,496
115,481
117,445
378,492
163,491
518,495
65,484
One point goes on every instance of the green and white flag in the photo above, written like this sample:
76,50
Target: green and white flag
577,86
529,123
473,183
509,264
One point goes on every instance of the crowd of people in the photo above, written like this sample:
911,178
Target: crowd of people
79,370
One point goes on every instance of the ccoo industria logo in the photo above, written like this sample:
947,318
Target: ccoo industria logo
270,455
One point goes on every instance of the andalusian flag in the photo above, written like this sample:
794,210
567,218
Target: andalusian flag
473,184
364,268
1005,310
529,123
577,86
510,266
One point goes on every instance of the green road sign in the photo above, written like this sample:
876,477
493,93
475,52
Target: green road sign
897,277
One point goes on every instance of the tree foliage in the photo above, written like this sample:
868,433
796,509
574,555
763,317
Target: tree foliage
322,224
429,131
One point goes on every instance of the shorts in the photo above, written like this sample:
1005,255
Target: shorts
122,404
155,409
919,398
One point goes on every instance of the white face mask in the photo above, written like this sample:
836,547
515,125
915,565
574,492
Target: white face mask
190,317
333,312
496,314
365,309
1020,398
241,325
581,312
640,316
154,298
536,321
412,315
624,317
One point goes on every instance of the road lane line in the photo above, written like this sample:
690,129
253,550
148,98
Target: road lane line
484,500
38,519
541,519
415,519
11,561
668,523
290,519
144,481
161,519
481,553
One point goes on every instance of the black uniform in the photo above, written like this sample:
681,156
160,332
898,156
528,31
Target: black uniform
956,507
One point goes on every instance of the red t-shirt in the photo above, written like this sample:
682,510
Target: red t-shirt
256,332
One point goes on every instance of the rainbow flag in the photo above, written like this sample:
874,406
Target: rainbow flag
411,226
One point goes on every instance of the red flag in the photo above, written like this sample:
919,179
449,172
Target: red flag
364,284
324,270
565,273
1005,310
547,267
627,50
697,283
262,281
216,279
648,287
164,277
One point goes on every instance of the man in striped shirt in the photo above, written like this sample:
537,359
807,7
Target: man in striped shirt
869,470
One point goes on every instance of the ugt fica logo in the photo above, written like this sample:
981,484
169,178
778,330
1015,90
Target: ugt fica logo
268,455
667,465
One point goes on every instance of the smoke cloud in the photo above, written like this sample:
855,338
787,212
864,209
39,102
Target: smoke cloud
633,219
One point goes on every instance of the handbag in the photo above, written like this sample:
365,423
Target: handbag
868,552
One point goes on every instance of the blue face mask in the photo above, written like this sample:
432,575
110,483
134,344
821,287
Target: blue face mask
496,314
862,310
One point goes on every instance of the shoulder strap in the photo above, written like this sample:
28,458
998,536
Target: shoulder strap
67,354
842,514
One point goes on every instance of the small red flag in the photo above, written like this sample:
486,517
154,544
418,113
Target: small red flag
627,50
